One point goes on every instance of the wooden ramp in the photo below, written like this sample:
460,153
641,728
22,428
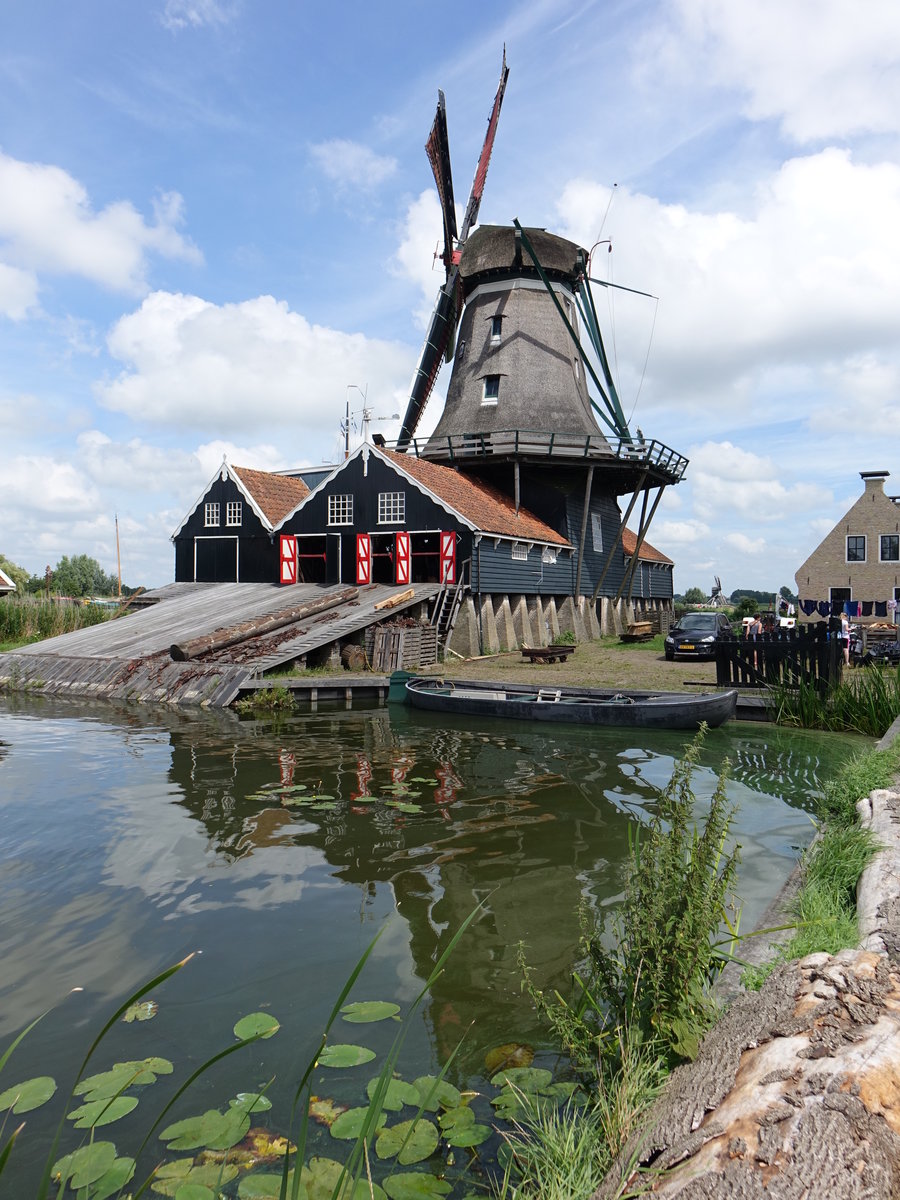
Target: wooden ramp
128,658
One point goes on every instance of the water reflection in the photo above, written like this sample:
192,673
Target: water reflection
135,837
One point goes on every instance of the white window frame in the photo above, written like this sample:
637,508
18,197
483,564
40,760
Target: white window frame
211,515
233,513
519,551
340,508
865,542
392,508
496,329
881,547
549,555
490,398
596,533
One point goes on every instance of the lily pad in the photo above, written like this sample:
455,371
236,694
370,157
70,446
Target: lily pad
349,1124
195,1191
403,806
321,796
324,1174
504,1058
102,1112
325,1111
85,1166
416,1185
113,1180
136,1073
469,1137
410,1141
29,1094
296,801
212,1129
436,1093
345,1055
526,1079
257,1024
423,779
456,1118
362,1012
142,1010
171,1178
251,1102
325,806
259,1146
396,1094
266,1185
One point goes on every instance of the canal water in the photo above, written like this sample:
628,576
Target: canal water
275,850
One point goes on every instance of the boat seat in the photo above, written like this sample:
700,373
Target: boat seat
549,695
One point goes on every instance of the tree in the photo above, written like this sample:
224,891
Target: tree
82,576
746,607
694,595
786,594
17,574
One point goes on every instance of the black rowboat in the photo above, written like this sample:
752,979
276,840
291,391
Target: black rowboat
647,710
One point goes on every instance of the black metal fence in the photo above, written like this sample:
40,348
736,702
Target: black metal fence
807,654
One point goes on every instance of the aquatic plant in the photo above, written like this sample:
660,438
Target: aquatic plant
866,702
264,700
26,620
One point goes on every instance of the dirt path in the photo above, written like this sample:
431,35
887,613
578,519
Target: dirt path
607,663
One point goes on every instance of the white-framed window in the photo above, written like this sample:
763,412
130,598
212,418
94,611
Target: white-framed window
548,555
491,392
596,533
890,547
520,550
856,547
340,509
233,511
391,508
210,514
496,329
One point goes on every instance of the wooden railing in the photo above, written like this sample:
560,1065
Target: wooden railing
807,654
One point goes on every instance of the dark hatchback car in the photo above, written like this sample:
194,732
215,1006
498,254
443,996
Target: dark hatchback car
696,635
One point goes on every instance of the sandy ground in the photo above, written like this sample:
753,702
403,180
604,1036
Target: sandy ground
607,663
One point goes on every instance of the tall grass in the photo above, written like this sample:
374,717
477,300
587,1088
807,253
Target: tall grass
24,620
866,702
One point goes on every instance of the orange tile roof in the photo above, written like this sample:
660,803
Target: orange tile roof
486,507
276,495
648,553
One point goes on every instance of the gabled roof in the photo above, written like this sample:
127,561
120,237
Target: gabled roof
483,506
6,584
270,496
276,495
648,553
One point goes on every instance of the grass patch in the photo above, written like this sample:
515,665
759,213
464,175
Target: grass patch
866,702
655,645
26,621
265,700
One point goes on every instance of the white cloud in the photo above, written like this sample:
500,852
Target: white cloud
45,485
351,165
726,479
416,255
47,224
822,68
744,544
18,292
183,14
679,533
254,365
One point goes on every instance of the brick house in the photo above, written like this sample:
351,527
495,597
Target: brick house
859,560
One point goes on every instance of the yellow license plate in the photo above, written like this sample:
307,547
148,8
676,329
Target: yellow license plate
687,646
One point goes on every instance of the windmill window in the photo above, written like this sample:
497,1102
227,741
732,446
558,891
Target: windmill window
577,369
520,550
496,329
491,389
548,555
233,512
391,508
210,515
340,509
856,548
596,533
890,547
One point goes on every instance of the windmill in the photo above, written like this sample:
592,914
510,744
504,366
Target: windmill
717,599
441,332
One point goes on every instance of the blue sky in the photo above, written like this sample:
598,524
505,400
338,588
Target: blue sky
217,215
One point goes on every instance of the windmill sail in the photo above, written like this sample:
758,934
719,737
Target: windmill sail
444,319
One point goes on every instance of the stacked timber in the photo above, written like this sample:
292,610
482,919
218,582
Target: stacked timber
401,645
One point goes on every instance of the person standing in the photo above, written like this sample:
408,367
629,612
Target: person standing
845,637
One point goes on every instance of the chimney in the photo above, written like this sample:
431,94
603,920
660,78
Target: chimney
874,481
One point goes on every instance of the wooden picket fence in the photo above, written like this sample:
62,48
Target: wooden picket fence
807,654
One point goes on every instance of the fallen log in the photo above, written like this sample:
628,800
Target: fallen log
393,601
220,639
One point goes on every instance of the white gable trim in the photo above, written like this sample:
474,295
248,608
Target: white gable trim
242,488
6,584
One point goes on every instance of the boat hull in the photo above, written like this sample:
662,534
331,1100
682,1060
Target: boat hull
662,710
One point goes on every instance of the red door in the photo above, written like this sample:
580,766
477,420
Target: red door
363,558
287,544
401,558
448,558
